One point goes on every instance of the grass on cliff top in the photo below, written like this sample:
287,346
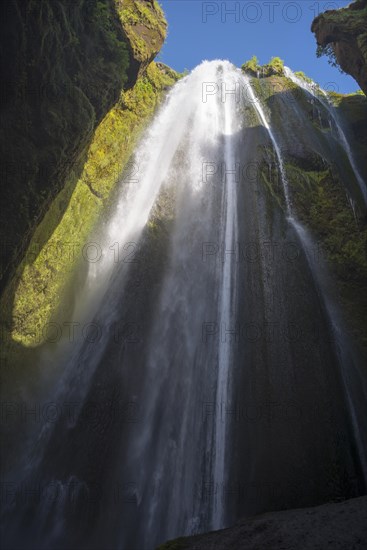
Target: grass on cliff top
304,77
48,266
336,98
274,67
355,17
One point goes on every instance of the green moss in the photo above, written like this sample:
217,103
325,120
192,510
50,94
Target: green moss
302,75
269,174
354,16
251,66
322,205
274,67
353,108
317,192
329,52
255,83
49,263
64,64
342,37
136,14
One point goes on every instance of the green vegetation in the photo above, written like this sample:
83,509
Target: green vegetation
341,36
329,52
318,193
322,205
65,65
66,158
41,278
251,66
353,108
274,67
302,75
136,14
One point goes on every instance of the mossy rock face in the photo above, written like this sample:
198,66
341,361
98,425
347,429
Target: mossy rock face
145,27
322,205
35,294
274,67
64,65
320,184
353,108
70,117
303,76
345,30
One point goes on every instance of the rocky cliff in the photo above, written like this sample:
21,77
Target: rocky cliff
71,125
63,67
320,179
321,182
345,31
75,144
341,526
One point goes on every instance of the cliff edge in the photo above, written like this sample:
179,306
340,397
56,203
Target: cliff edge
345,31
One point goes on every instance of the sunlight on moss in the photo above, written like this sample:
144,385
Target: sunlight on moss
136,13
41,281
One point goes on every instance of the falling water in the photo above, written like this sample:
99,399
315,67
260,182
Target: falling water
259,109
152,161
227,298
185,369
206,210
315,91
191,128
352,379
348,367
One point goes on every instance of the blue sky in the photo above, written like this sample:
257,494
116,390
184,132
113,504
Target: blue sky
201,29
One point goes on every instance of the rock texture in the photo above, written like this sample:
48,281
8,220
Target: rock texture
346,31
35,292
63,66
341,526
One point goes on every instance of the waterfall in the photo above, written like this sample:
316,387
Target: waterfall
321,96
207,385
196,126
352,379
152,161
227,300
347,364
206,211
262,117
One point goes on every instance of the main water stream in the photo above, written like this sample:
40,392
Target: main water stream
218,386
